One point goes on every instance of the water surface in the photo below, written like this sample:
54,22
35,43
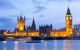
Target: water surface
44,45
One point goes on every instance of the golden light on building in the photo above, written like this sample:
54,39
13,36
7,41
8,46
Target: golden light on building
21,31
21,23
68,31
33,33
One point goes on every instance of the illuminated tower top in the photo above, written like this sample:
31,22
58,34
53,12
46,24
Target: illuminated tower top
68,14
21,23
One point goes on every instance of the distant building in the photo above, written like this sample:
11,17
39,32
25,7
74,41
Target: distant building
2,32
45,30
76,30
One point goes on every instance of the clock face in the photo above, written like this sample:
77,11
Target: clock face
70,17
66,17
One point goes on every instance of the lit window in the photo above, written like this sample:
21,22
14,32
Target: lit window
55,34
64,35
32,34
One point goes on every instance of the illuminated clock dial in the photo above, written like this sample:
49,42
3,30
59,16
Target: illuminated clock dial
70,17
66,17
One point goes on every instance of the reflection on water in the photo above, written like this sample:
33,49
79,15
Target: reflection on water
32,47
67,45
4,45
4,42
44,45
16,45
55,44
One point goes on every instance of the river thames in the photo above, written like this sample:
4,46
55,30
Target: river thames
43,45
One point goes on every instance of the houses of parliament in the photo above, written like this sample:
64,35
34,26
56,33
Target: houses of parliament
44,30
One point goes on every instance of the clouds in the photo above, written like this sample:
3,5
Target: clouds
39,9
63,0
39,1
48,10
38,5
71,0
8,23
4,4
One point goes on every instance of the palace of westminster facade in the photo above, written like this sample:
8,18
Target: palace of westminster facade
43,30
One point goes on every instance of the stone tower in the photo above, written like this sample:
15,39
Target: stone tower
21,23
68,19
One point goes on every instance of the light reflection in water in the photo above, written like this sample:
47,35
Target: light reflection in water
4,43
32,46
4,48
67,45
16,45
45,45
55,45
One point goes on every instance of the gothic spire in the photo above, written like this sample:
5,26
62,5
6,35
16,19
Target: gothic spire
33,21
33,25
68,11
21,15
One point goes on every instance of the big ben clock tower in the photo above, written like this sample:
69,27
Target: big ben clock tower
68,19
